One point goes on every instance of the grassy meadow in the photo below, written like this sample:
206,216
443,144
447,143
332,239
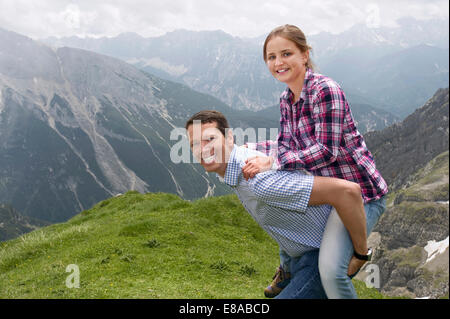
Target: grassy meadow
152,245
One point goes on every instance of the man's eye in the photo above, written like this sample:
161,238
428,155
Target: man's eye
211,138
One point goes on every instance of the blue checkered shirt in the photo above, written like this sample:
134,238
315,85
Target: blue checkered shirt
278,202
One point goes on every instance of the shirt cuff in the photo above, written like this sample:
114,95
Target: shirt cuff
251,146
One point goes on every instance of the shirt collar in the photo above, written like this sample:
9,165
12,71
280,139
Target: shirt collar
287,94
233,168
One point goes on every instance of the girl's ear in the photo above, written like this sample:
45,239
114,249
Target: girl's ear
306,56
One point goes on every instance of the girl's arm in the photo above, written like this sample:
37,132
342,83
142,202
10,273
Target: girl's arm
328,111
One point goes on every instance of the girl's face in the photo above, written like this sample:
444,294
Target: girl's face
285,60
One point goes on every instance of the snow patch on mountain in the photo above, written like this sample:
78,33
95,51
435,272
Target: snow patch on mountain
434,248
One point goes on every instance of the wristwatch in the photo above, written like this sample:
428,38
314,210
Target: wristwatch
367,257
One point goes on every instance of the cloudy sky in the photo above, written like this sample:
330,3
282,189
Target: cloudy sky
244,18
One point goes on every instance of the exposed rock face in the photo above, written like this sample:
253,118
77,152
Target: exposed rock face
413,156
403,148
412,245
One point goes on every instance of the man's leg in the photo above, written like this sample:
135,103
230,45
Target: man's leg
305,278
336,251
282,276
285,260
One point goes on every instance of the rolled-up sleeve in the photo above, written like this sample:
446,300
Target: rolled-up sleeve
288,190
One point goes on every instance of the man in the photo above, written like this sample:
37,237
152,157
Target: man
278,201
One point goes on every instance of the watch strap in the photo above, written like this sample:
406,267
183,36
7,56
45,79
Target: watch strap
364,257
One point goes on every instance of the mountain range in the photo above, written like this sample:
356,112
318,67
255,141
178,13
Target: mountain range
395,69
78,127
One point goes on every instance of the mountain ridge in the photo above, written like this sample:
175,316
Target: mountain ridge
85,105
346,57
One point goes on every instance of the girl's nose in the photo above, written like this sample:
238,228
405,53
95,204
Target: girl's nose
278,61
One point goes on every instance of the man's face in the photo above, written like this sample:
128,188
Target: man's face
209,146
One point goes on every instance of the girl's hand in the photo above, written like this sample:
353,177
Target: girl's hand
354,266
255,165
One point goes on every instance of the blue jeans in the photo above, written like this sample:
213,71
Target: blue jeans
305,278
336,251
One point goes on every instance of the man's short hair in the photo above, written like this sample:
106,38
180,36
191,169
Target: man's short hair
209,116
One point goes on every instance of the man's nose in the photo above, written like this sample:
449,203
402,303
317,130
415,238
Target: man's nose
206,148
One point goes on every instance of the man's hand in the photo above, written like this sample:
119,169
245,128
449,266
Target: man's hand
255,165
354,266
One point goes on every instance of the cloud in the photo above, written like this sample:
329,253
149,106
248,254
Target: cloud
248,18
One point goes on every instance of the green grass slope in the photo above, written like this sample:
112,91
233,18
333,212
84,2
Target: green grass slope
151,245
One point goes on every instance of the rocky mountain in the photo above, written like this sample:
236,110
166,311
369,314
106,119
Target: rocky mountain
77,127
13,224
405,147
374,42
393,83
373,65
211,62
411,238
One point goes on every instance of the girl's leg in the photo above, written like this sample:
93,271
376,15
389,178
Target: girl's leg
346,198
336,251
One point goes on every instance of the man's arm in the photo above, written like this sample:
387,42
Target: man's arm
269,147
283,189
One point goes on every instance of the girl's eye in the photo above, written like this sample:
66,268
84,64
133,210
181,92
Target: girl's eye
287,54
271,57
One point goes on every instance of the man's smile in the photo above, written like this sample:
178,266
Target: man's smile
209,159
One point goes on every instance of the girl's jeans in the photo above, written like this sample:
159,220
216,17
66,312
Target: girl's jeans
336,251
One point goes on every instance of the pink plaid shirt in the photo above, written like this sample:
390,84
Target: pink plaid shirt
318,134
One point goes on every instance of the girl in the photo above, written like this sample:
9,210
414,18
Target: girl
318,134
